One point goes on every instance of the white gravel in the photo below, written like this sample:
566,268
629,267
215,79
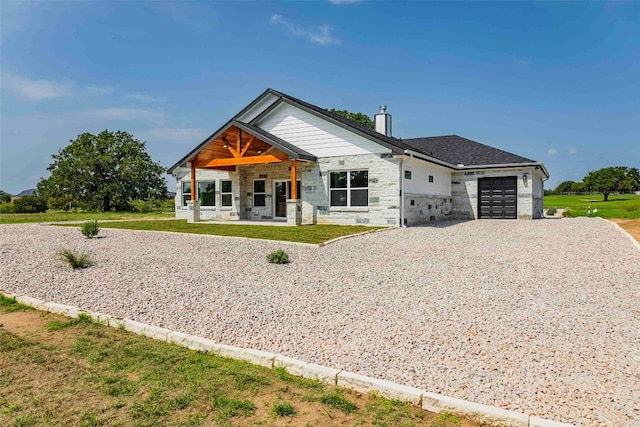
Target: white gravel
541,317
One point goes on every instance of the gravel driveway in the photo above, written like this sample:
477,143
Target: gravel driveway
534,316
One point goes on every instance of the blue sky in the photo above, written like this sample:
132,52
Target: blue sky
558,82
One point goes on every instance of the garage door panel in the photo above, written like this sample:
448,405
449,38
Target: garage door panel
497,198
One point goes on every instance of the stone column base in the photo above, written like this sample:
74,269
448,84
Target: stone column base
294,212
193,210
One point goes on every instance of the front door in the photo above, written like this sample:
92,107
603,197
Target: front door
282,192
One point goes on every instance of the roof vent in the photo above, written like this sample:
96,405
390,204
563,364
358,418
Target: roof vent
383,121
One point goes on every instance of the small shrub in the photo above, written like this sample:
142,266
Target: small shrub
140,206
7,208
284,409
90,229
551,211
278,257
76,259
568,213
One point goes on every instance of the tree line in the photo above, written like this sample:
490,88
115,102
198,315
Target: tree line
613,179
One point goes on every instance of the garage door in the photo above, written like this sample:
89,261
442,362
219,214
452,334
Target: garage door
497,198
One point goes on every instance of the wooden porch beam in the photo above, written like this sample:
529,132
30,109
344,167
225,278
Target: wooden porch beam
246,147
251,160
228,147
193,181
239,142
294,181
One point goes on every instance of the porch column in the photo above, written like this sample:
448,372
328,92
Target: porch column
294,181
193,205
294,205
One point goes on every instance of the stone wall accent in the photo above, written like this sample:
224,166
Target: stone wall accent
294,212
421,209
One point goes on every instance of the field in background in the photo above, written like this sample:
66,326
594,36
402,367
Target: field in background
59,216
63,371
618,206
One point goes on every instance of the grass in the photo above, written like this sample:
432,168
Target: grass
61,371
61,216
618,206
303,234
10,305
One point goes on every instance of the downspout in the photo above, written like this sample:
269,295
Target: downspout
402,192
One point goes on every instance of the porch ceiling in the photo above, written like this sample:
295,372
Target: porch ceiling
236,147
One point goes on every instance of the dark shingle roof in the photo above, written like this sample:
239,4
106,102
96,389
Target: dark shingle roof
456,150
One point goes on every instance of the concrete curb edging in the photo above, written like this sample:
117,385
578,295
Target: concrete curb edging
633,240
432,402
337,239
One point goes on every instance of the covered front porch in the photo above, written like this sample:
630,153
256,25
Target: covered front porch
243,173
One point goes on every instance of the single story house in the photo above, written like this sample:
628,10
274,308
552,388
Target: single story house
281,158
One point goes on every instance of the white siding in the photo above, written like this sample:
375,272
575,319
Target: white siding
262,105
316,135
419,182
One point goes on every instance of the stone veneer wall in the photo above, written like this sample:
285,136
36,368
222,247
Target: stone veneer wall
464,192
384,190
421,208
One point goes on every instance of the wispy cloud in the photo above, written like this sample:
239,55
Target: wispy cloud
341,2
35,89
572,152
193,135
115,113
99,90
552,152
321,35
145,98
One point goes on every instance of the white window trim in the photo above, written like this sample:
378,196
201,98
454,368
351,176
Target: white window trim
183,203
222,206
265,193
410,174
348,189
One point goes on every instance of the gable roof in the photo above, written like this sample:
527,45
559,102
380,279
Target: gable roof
448,150
457,150
293,151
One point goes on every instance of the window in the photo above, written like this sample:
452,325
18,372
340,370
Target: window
349,188
407,174
430,178
186,192
225,190
207,193
259,190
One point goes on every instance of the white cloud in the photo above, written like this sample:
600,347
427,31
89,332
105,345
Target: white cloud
35,89
572,152
194,135
552,152
321,35
99,90
340,2
145,98
155,117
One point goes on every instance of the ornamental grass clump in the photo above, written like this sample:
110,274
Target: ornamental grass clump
278,257
75,259
90,229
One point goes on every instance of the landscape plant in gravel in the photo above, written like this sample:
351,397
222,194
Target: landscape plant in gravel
76,259
90,229
278,257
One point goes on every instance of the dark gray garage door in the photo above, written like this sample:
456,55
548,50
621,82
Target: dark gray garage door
497,198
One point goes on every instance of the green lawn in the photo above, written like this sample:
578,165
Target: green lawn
57,216
618,206
61,371
303,234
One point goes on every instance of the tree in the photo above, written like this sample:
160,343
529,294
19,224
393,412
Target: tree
356,117
30,204
104,171
5,197
613,179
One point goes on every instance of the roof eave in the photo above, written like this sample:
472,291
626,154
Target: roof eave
505,165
